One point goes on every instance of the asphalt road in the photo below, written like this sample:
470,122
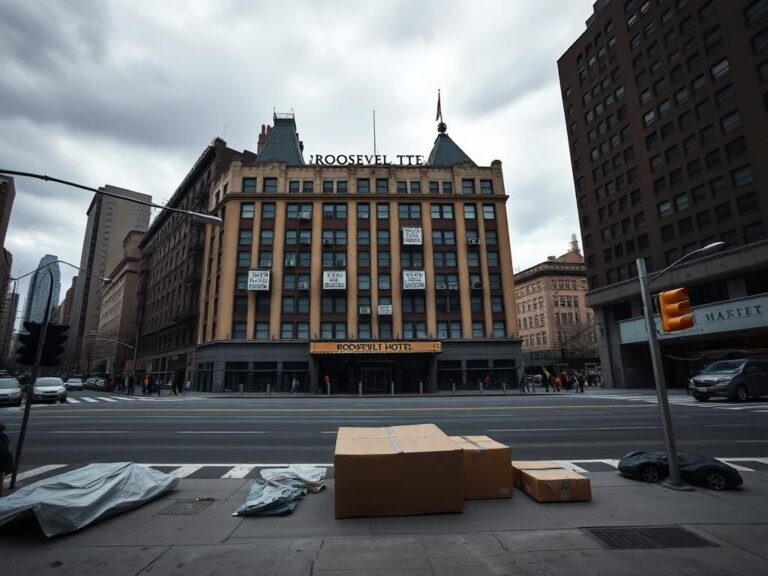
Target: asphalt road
302,430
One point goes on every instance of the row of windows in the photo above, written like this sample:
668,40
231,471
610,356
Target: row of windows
338,330
339,211
269,185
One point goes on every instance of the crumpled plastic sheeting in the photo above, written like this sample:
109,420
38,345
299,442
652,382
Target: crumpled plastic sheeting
278,491
73,500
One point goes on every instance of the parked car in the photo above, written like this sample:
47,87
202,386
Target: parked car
694,469
74,384
735,379
10,391
99,384
49,389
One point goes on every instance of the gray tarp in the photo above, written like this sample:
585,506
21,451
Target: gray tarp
75,499
279,490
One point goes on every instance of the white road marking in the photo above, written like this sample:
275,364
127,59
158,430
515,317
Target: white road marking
89,399
186,470
72,401
206,432
34,472
240,471
106,399
570,466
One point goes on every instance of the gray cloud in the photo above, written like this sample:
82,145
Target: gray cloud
129,93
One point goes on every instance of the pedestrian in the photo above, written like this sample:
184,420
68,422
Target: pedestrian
487,381
327,380
294,385
158,384
581,379
6,458
131,384
173,385
145,385
188,385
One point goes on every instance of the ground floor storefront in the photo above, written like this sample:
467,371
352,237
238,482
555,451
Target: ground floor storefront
330,368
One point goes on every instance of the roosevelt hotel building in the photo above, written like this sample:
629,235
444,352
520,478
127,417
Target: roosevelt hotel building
373,274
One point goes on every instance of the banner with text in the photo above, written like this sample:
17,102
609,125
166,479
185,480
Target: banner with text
374,347
335,279
258,280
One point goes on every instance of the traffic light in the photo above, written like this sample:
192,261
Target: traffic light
55,336
675,309
25,354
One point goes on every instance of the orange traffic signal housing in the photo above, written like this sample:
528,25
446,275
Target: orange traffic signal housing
675,309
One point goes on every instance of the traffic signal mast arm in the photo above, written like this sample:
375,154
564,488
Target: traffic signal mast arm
675,310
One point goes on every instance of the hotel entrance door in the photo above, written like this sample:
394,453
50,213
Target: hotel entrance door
376,380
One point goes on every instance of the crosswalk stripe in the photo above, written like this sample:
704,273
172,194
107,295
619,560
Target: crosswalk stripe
186,470
106,399
89,399
34,472
240,471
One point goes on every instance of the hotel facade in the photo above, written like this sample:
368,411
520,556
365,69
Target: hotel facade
357,273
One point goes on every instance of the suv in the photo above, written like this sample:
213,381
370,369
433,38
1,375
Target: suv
735,379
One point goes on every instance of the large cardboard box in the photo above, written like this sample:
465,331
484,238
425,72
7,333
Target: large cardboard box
397,471
556,486
519,465
487,471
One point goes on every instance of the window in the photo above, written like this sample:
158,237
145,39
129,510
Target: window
698,84
262,331
412,259
754,232
363,237
293,187
415,187
246,210
270,185
382,186
249,185
402,187
712,159
755,11
265,259
363,211
363,259
723,211
333,330
327,187
486,186
760,42
382,211
241,304
665,209
489,212
720,69
382,237
385,282
363,186
441,211
341,187
244,259
241,280
363,281
736,148
730,122
268,211
467,186
267,237
747,203
649,117
246,237
434,187
384,260
742,176
333,305
444,259
447,187
699,194
334,210
703,219
409,211
294,210
718,186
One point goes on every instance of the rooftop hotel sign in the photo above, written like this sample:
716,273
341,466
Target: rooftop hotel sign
366,160
374,347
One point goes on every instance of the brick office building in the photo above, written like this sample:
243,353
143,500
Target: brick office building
666,106
368,272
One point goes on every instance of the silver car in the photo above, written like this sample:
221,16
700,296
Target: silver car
10,391
49,389
735,379
74,384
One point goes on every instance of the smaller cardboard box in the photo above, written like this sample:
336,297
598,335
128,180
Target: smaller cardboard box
487,471
519,465
556,486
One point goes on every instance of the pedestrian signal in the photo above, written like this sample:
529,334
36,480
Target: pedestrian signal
25,354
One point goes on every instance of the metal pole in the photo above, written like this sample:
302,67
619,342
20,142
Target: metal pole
658,375
33,378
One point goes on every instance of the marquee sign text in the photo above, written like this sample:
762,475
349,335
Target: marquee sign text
366,160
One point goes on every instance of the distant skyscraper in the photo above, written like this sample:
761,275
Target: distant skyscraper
109,221
7,317
37,295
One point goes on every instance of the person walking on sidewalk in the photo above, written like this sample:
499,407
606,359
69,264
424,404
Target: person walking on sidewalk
581,379
294,385
6,458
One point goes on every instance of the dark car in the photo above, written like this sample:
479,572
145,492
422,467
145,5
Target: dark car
735,379
694,469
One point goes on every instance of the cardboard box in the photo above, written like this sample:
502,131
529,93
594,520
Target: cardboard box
556,486
396,471
519,465
487,471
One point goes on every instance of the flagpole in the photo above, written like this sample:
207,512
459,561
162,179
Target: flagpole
374,132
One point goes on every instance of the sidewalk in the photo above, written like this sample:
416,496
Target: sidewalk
588,391
517,536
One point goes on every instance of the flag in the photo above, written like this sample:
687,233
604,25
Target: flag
439,115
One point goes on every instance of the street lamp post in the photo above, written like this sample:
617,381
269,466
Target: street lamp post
674,481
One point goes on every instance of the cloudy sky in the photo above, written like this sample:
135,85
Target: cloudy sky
129,93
